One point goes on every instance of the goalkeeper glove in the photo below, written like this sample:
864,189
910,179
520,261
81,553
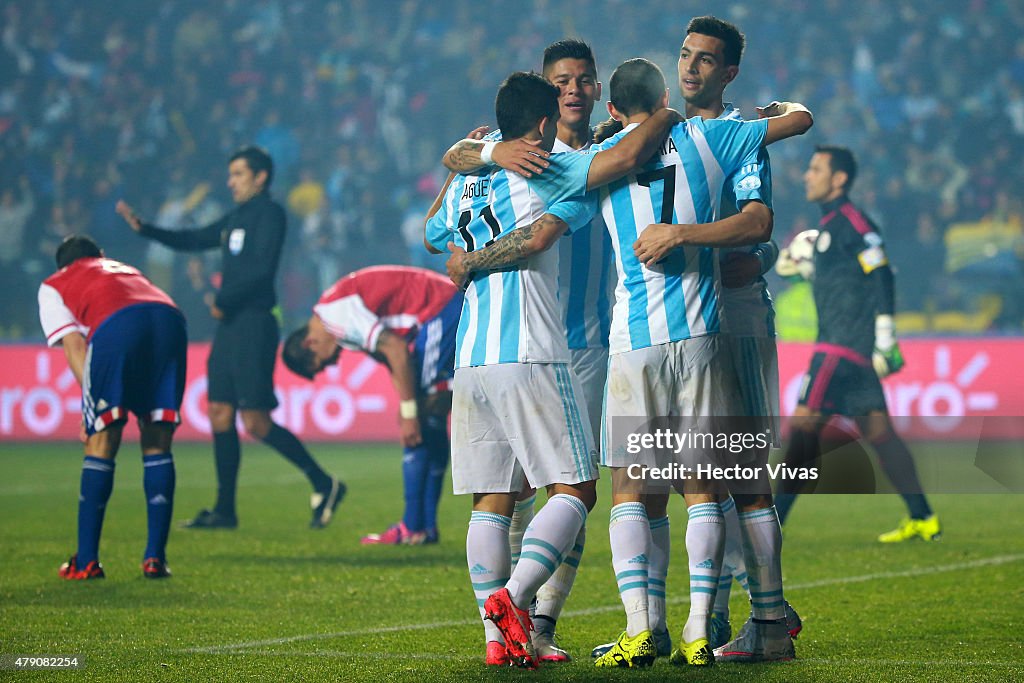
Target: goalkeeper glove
786,267
887,357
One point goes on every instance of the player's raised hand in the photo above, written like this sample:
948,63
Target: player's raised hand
456,265
773,108
740,270
478,133
128,214
524,157
655,243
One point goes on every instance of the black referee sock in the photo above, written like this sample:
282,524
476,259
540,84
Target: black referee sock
288,445
803,449
227,454
898,465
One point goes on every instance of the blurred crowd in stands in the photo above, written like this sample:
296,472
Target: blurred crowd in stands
356,100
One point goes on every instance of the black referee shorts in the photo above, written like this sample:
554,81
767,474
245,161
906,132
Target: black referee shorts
240,369
841,382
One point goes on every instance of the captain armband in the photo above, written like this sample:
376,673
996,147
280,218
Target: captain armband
872,259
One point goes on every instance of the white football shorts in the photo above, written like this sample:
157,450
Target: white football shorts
757,367
516,424
591,368
679,386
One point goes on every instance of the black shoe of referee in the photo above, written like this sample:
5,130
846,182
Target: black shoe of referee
210,519
324,503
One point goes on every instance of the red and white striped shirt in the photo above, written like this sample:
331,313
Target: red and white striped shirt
396,298
79,297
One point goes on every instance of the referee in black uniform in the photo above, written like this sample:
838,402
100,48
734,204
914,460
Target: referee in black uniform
240,368
854,297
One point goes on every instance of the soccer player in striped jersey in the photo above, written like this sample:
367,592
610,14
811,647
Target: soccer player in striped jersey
511,356
708,62
667,318
586,282
125,343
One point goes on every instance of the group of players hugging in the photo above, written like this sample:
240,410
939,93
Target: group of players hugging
603,283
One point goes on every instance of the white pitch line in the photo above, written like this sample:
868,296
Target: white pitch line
437,656
911,662
604,609
339,654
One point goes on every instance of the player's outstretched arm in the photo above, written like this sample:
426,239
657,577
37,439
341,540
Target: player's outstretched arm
785,119
396,352
751,225
520,244
74,350
524,157
459,157
634,149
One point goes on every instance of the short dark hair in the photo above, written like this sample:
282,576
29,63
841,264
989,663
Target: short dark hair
636,86
569,48
74,247
606,129
725,31
296,356
523,99
840,159
258,159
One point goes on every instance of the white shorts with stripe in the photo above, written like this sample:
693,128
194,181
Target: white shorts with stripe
757,366
517,423
678,385
591,368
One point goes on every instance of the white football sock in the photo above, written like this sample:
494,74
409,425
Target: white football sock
545,543
732,561
657,572
489,562
630,535
705,545
552,595
762,550
521,518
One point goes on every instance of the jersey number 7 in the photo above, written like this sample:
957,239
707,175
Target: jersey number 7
668,193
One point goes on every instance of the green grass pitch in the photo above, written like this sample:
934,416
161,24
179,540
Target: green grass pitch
275,601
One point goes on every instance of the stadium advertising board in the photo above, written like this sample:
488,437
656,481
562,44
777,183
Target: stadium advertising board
945,384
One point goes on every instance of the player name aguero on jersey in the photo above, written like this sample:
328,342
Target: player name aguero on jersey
708,472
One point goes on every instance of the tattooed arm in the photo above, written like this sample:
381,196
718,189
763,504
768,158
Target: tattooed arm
518,245
521,156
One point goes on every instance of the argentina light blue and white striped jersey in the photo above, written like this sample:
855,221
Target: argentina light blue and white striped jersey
677,298
747,311
586,277
512,315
